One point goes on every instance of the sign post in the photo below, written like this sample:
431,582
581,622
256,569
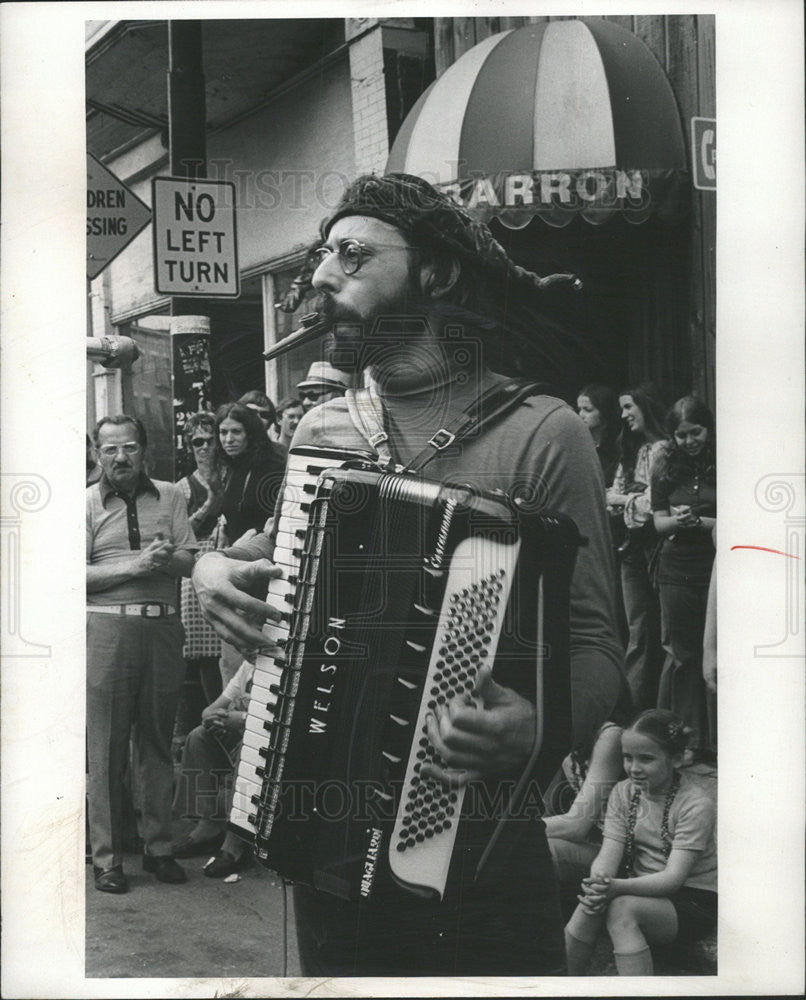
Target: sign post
195,243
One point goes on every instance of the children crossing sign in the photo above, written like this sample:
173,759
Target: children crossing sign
195,245
115,215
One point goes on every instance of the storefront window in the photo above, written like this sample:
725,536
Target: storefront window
292,367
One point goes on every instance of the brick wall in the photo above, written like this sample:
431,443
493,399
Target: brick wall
369,103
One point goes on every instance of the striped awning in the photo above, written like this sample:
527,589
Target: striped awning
555,119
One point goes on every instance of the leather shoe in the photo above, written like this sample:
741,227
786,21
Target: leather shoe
110,879
187,847
165,868
224,864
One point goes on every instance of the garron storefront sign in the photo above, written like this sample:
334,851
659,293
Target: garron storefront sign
571,190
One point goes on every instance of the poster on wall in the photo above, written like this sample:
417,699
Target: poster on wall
190,342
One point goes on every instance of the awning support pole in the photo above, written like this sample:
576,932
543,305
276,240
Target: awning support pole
187,149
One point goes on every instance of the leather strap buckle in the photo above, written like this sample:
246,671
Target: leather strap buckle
442,439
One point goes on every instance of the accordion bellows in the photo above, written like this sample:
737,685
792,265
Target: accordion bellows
395,592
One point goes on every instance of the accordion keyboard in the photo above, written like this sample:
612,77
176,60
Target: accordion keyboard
302,473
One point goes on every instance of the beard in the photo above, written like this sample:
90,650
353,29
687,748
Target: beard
398,326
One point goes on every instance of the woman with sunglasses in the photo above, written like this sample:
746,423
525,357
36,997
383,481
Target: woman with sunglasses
203,492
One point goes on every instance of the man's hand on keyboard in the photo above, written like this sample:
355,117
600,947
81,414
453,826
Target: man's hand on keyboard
222,586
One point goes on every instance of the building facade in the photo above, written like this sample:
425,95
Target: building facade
297,108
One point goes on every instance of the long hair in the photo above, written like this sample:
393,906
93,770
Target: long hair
647,398
677,466
606,402
512,320
257,443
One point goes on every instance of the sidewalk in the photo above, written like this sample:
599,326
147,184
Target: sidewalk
204,928
212,929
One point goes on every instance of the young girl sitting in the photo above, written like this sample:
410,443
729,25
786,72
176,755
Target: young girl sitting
654,880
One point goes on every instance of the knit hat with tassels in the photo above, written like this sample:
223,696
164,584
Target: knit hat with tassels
430,217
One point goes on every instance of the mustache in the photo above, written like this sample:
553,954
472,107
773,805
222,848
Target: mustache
323,304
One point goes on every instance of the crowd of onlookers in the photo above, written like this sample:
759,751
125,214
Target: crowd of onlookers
639,777
238,457
635,779
659,467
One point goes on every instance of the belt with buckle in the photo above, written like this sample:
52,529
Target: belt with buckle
152,610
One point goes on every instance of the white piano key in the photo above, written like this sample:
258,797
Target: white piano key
256,725
244,817
281,588
287,539
300,462
256,741
278,604
275,631
267,671
262,695
296,508
243,820
287,562
302,473
242,798
251,758
260,710
247,788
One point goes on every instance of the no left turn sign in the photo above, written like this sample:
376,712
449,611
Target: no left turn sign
195,240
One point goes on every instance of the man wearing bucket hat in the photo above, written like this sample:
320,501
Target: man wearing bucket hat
422,297
323,382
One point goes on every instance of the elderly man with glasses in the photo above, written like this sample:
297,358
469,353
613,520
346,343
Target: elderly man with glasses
139,543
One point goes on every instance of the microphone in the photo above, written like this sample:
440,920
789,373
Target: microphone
312,328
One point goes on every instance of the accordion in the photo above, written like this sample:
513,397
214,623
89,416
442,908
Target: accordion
395,592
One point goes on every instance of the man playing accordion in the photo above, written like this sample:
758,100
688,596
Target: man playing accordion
423,299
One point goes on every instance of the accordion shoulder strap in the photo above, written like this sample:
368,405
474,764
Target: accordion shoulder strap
366,412
493,404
